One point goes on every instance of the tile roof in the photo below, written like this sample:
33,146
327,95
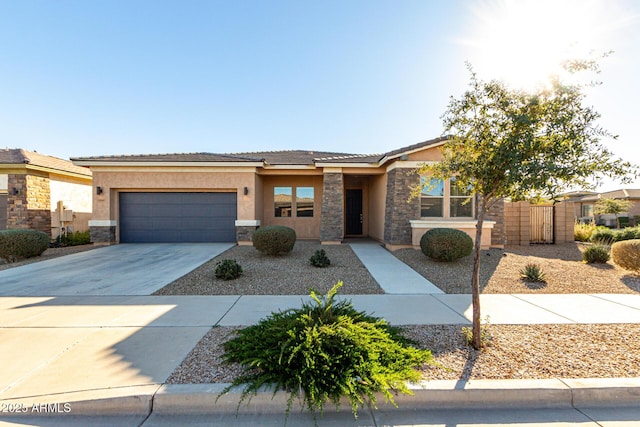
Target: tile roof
281,157
18,156
172,157
631,193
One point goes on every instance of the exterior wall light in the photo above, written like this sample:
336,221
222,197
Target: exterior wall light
15,191
98,190
246,190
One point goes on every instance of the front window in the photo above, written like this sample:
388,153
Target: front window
445,199
460,201
304,201
432,198
282,201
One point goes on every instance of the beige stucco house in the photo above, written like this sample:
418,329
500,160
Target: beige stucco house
585,206
43,193
322,195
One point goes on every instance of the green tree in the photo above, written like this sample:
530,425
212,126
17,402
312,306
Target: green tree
508,143
613,206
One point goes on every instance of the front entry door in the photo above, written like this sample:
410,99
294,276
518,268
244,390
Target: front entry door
354,213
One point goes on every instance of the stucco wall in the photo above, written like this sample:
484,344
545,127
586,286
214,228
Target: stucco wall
306,227
431,154
76,197
377,195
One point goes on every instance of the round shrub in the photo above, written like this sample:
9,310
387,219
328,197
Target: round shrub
446,244
596,254
320,259
19,244
274,239
228,269
626,254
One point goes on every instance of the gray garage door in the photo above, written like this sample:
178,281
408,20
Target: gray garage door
177,217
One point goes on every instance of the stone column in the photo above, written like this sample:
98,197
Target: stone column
398,210
31,206
332,212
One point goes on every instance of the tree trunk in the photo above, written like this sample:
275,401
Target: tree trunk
475,281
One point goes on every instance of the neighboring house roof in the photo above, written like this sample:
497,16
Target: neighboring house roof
18,156
283,157
615,194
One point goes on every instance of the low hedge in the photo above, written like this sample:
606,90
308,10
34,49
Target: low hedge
20,244
274,239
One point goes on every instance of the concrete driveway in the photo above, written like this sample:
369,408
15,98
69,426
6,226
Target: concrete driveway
127,269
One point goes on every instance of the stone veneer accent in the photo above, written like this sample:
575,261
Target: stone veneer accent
102,234
398,210
498,232
332,212
31,207
244,233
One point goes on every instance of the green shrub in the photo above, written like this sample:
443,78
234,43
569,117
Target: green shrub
228,269
322,352
596,254
533,273
582,232
320,259
274,239
446,244
602,236
626,254
72,239
628,233
19,244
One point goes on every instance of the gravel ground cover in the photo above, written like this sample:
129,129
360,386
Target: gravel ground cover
286,274
500,271
516,352
48,254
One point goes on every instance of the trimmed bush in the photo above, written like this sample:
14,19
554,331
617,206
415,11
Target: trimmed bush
626,254
446,244
274,239
19,244
596,254
72,239
322,352
228,269
320,259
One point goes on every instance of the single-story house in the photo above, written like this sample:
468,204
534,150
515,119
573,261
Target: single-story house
585,206
43,193
322,195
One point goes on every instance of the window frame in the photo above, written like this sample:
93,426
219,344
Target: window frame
447,199
292,205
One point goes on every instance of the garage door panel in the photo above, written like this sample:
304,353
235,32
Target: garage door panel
177,217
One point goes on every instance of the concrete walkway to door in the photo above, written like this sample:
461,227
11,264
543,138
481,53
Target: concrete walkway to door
393,275
127,269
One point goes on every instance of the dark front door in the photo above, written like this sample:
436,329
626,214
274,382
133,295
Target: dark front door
354,213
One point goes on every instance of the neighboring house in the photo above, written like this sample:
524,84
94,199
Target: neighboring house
585,206
43,193
322,195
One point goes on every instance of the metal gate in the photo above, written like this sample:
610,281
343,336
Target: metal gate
541,224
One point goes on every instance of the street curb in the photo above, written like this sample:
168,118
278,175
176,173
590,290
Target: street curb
180,399
552,393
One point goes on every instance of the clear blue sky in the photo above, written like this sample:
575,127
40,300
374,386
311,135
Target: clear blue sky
83,78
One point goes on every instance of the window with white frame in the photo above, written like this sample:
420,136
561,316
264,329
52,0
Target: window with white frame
445,199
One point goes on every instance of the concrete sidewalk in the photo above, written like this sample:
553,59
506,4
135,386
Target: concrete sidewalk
113,354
